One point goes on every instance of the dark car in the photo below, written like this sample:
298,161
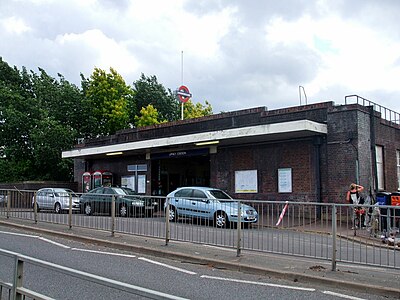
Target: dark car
127,202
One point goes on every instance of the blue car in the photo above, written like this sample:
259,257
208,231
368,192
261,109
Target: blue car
208,203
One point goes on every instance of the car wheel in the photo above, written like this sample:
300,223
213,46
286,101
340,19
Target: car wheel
57,208
173,216
88,209
220,219
123,211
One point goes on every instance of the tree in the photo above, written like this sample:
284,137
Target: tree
18,115
191,110
149,91
49,139
37,116
108,97
148,116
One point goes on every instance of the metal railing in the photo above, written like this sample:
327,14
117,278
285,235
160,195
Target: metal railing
16,288
335,232
386,113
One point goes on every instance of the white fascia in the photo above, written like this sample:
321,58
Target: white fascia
258,130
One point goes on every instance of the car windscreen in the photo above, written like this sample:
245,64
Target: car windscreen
120,191
218,194
129,191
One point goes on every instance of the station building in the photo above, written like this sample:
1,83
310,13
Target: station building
308,153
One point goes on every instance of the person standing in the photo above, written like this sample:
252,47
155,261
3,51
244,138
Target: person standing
353,194
353,197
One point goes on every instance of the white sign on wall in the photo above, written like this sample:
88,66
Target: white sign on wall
141,184
246,181
285,180
128,181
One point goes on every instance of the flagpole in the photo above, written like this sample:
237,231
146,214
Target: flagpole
182,82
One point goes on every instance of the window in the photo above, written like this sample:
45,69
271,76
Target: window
184,193
398,169
198,194
219,194
380,167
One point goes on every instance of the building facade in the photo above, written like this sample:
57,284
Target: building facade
307,153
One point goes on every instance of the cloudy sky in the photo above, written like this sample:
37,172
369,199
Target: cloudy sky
237,54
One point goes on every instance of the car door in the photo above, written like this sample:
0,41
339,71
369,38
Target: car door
200,204
100,198
182,202
40,198
47,198
107,199
93,198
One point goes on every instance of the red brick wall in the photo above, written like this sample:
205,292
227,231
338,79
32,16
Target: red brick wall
267,159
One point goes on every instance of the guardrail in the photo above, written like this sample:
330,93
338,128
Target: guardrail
17,290
335,232
386,113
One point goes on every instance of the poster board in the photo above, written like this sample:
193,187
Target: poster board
246,181
141,184
128,181
285,180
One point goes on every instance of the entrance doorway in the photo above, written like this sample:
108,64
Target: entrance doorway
169,174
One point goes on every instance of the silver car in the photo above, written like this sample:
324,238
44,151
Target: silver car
3,200
56,199
209,204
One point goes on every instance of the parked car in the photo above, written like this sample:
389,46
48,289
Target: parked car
56,199
208,203
128,203
3,200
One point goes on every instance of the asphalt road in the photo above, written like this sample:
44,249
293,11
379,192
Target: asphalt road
173,277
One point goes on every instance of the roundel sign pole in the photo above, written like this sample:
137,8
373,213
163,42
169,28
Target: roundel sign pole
183,95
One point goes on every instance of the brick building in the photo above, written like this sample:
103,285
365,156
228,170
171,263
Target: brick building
305,153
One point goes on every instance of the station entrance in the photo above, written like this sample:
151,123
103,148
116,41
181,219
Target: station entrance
179,169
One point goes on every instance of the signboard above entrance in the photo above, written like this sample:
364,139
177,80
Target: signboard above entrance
180,154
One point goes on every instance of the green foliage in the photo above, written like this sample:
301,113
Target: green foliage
36,113
149,91
49,139
191,110
148,116
108,97
41,116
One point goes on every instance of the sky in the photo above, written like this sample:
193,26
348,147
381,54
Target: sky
236,54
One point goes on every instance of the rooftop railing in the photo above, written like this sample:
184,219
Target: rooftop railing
386,113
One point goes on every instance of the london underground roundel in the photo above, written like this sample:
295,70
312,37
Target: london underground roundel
183,94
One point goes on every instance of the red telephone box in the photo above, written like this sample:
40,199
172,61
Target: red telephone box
102,178
86,182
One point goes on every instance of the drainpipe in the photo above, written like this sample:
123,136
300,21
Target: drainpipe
373,149
317,147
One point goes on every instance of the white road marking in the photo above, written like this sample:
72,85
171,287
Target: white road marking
122,286
103,252
341,295
19,234
54,243
190,272
167,266
260,283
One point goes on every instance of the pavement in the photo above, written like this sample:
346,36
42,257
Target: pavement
374,280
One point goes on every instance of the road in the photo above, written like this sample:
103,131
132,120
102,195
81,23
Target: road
298,242
187,280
